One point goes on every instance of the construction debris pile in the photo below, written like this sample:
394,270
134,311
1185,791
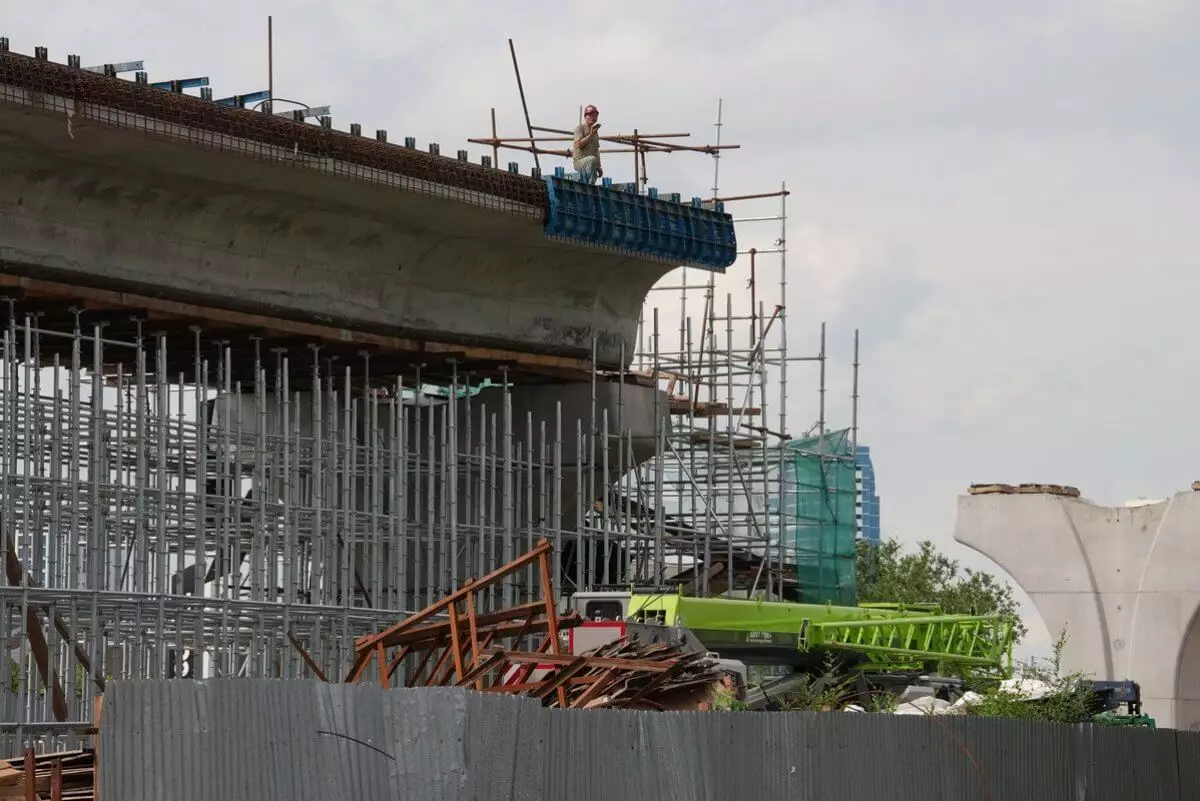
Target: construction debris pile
484,651
629,675
64,776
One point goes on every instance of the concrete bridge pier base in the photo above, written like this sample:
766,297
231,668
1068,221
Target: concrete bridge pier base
1123,582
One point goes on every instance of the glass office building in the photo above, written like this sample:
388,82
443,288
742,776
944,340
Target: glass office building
868,499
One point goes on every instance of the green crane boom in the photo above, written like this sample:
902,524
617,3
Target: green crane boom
889,637
973,641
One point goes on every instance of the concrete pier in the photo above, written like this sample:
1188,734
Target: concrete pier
1123,582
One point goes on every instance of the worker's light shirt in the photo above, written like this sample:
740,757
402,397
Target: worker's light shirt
592,148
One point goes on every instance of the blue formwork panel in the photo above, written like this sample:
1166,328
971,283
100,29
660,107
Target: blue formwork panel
615,216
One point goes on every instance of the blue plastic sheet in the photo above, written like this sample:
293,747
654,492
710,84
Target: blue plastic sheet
615,216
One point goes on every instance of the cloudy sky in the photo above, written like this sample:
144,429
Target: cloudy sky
1000,195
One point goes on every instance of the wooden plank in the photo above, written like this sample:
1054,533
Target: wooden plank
600,685
383,665
551,615
16,573
522,689
487,620
438,667
473,628
411,679
360,664
522,657
396,660
455,643
558,681
516,630
30,778
308,660
477,672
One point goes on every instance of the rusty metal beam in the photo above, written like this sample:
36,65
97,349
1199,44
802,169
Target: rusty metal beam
369,641
551,614
308,660
487,620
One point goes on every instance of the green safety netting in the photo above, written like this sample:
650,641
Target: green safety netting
818,513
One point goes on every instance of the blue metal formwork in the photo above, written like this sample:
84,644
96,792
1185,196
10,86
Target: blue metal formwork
615,216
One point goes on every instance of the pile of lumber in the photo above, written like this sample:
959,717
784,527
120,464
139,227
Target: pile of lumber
63,776
518,650
624,675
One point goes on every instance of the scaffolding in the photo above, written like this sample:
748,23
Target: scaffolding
745,509
728,503
190,494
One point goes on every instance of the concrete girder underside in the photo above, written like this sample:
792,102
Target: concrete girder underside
114,207
1123,582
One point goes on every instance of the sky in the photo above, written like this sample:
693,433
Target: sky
1000,196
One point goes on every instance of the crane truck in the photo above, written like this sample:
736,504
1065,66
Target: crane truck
768,647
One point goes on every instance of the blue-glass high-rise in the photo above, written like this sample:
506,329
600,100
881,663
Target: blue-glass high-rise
868,500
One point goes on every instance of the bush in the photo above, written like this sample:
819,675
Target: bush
1068,699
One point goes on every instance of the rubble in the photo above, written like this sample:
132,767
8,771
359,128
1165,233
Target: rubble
629,675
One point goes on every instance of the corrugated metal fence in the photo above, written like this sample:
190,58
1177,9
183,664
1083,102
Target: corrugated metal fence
264,740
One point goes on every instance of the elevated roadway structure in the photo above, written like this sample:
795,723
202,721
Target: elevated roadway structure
119,185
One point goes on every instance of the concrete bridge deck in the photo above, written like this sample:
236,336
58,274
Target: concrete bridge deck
185,200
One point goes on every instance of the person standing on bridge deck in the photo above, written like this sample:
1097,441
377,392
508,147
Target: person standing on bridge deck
585,149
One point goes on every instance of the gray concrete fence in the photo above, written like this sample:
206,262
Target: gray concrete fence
267,740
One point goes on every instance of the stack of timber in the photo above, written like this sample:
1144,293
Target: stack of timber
452,644
626,675
64,776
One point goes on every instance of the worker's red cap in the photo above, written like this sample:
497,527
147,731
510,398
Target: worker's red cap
590,110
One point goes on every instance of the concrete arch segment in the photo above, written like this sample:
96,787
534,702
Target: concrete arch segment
1187,692
114,208
1123,582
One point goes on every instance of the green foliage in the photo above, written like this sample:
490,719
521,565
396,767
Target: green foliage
1069,699
883,703
14,679
726,701
824,692
885,572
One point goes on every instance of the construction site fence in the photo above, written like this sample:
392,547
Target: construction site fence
299,740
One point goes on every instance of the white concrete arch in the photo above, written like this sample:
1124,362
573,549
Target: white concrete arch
1187,682
1124,583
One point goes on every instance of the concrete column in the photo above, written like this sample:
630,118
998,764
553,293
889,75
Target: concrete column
1123,582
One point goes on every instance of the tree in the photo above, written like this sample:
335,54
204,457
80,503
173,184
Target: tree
884,572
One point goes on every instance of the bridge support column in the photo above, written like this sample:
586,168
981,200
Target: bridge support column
1123,582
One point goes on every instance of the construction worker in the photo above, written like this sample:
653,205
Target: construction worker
585,149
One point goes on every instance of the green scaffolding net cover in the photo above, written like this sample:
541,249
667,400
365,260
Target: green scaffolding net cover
818,514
